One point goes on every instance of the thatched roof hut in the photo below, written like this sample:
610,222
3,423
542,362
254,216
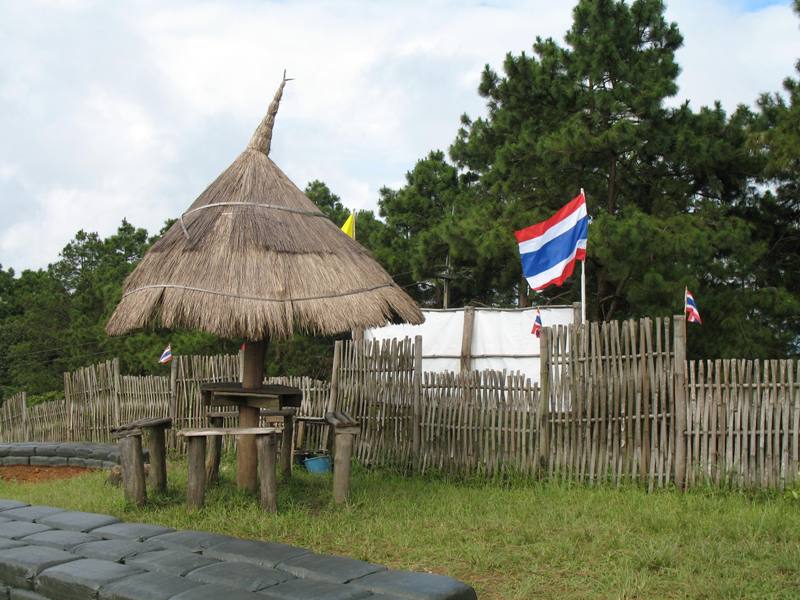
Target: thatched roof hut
254,258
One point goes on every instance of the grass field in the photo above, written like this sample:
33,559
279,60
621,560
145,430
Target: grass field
512,541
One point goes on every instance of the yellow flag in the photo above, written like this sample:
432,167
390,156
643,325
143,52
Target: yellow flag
349,226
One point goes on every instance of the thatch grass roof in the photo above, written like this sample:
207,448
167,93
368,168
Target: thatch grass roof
253,258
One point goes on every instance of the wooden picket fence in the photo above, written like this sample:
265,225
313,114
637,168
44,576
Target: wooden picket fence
610,417
617,403
97,398
742,423
14,418
20,423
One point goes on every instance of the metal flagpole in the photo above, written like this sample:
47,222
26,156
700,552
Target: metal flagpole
583,280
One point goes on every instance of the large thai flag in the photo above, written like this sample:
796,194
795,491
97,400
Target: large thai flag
549,249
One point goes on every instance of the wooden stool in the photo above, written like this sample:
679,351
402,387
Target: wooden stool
303,423
132,465
345,428
155,428
287,440
214,447
265,444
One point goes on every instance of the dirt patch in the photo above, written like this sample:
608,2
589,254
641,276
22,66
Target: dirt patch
40,473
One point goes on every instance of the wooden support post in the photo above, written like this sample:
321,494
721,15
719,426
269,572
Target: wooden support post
341,466
544,398
416,432
679,394
358,335
287,446
115,388
70,409
252,377
196,486
133,469
158,458
576,314
266,467
173,397
466,338
333,396
213,453
24,410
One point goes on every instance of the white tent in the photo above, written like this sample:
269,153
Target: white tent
501,337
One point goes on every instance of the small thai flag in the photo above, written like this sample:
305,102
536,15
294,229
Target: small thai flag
166,356
690,308
549,249
537,324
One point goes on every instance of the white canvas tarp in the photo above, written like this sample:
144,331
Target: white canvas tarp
501,338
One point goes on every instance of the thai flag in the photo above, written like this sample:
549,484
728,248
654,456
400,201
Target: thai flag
537,324
690,308
166,355
549,249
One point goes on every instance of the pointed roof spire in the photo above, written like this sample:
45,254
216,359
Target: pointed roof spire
262,137
253,257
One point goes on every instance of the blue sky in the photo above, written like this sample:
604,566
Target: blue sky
128,110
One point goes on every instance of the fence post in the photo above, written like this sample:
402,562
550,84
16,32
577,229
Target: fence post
466,338
173,398
25,432
544,397
333,395
576,314
115,388
679,400
68,402
416,431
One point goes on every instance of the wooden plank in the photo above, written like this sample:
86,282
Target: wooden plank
206,431
544,396
417,401
268,484
466,339
679,398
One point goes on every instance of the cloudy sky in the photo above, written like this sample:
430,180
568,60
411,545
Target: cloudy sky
112,110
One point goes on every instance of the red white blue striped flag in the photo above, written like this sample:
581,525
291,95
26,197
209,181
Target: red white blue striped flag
166,355
537,324
690,308
549,249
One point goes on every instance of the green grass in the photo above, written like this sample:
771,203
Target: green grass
512,541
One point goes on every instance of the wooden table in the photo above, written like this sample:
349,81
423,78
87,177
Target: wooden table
249,400
267,396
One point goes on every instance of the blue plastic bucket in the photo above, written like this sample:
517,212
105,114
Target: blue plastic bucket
318,464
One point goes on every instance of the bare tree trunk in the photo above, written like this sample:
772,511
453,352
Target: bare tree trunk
523,292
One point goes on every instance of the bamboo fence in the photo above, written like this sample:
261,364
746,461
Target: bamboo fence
14,418
617,403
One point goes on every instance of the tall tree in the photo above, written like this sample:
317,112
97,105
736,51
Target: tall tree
660,181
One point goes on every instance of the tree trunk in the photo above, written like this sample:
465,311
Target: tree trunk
524,302
246,455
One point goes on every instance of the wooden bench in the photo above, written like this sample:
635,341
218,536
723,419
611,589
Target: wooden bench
266,440
130,436
345,428
216,420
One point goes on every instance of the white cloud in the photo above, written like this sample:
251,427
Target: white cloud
129,110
